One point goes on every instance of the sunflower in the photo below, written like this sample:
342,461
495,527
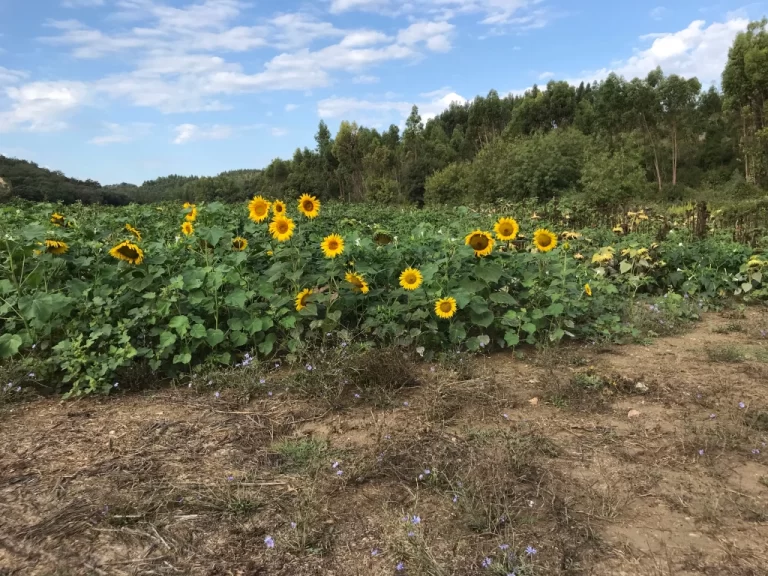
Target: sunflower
506,229
56,247
281,228
445,307
187,228
309,206
481,242
301,299
411,279
133,231
587,289
57,219
570,235
382,238
278,208
192,215
258,209
129,252
579,256
332,245
544,240
239,243
618,229
358,282
603,256
188,205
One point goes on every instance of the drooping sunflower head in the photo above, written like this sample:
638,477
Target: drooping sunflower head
239,244
587,289
258,209
544,240
332,245
411,279
481,242
278,208
309,206
281,229
570,235
192,214
187,229
56,247
506,229
133,231
445,307
359,285
301,299
57,219
128,252
382,238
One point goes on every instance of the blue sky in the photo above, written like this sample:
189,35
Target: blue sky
128,90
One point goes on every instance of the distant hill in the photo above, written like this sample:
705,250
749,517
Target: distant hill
29,181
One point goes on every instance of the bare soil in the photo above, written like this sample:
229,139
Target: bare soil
619,460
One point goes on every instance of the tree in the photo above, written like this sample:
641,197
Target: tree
678,101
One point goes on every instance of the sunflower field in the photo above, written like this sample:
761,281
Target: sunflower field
89,293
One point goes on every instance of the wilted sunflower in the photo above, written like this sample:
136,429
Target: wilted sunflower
56,247
133,231
618,229
382,238
187,228
506,229
239,243
281,228
588,289
481,242
309,206
603,256
445,307
278,208
358,282
570,235
129,252
258,209
57,219
332,245
301,299
411,279
544,240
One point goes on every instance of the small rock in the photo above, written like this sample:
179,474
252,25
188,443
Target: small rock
642,388
533,401
633,414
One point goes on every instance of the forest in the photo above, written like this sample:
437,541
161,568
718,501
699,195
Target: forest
608,143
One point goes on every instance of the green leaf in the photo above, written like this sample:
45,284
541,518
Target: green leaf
488,272
428,271
6,287
481,318
511,338
472,344
9,345
237,299
471,286
457,332
180,324
238,338
503,298
266,347
198,331
557,335
253,325
213,235
167,339
530,328
235,323
554,309
625,266
309,310
214,337
184,358
288,321
747,286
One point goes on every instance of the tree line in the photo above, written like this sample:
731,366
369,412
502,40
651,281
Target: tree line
662,137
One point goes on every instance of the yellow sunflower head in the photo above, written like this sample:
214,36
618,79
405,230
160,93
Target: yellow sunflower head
587,289
281,229
506,229
188,205
258,209
192,214
301,299
56,247
332,245
481,242
239,243
411,279
544,240
187,228
128,252
445,307
359,285
309,206
133,231
57,219
278,208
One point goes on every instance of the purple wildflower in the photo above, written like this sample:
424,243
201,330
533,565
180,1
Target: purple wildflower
339,472
505,416
712,416
503,547
427,472
230,478
335,465
357,396
530,550
293,525
411,534
400,566
701,452
262,380
269,541
309,367
486,563
756,451
269,393
217,394
406,403
455,499
375,552
742,405
416,520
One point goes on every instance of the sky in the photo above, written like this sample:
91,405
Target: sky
129,90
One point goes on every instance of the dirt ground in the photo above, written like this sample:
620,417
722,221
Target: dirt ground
621,460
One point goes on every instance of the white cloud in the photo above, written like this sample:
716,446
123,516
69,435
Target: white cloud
291,107
347,5
82,3
364,38
192,133
365,79
42,106
658,12
434,34
8,76
278,132
697,50
546,75
120,133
